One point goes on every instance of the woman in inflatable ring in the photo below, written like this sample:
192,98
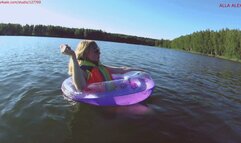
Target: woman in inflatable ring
85,66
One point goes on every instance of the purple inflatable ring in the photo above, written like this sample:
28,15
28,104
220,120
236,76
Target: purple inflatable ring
124,89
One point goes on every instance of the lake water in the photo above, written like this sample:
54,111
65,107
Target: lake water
196,98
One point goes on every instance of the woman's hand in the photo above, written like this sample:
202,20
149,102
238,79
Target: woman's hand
122,70
65,49
128,69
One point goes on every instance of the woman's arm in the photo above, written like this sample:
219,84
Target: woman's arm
121,70
78,75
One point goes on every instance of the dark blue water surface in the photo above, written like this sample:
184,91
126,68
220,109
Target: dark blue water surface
196,99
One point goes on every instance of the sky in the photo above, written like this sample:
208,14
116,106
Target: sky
158,19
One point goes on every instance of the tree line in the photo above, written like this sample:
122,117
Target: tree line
80,33
225,43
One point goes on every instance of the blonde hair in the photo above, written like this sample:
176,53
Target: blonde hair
81,52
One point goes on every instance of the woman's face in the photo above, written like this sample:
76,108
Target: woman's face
94,54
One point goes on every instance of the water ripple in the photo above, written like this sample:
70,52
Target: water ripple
196,98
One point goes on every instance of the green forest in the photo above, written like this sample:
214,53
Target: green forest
80,33
224,43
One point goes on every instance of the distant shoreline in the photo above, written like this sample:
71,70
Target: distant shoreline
209,55
192,52
222,44
77,33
